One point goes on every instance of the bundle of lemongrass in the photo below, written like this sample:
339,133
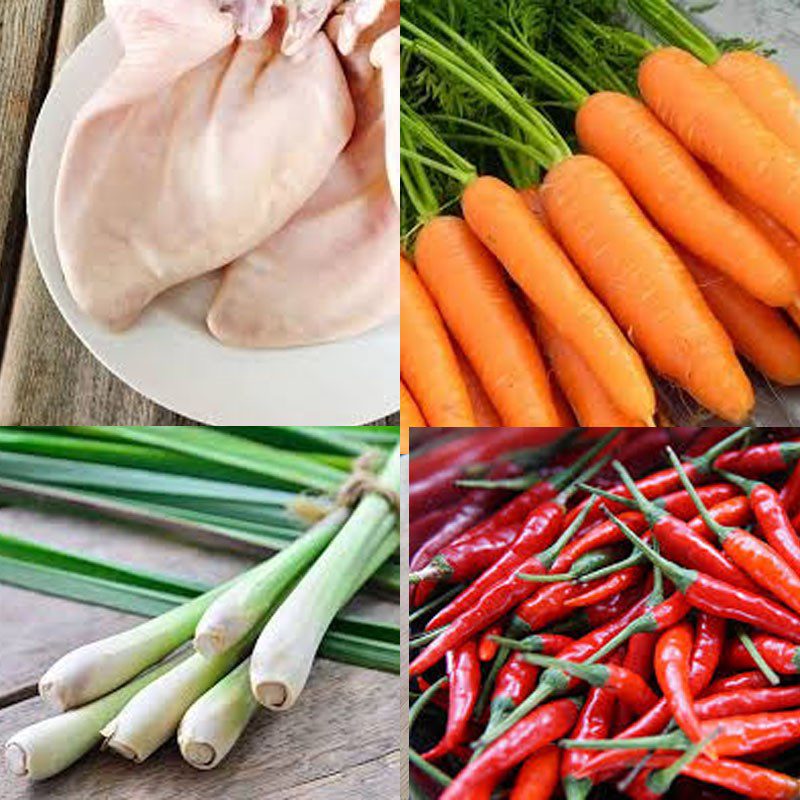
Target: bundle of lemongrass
254,642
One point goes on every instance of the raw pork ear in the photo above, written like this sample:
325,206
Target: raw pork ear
332,271
199,147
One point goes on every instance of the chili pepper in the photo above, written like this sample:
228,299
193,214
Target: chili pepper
612,585
439,695
739,682
556,490
720,598
743,735
790,494
772,519
594,645
517,678
542,727
464,678
706,439
672,660
679,542
638,659
760,459
782,656
493,605
660,483
538,777
594,722
628,686
747,702
601,534
487,647
749,780
735,511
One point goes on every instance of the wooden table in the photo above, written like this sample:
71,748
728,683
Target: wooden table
47,377
341,742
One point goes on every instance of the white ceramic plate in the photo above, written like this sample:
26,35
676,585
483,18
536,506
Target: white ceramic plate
169,356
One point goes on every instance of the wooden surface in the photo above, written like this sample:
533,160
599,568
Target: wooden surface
47,377
341,742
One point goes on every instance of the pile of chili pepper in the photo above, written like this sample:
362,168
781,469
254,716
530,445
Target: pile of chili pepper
606,613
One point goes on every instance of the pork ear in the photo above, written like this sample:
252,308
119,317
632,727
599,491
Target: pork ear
251,18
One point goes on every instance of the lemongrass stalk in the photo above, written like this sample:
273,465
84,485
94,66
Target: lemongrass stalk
213,724
234,613
283,655
101,666
46,748
153,715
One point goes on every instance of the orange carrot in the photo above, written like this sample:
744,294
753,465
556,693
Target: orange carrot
505,224
410,416
712,122
766,90
566,419
648,289
591,402
679,197
783,241
758,332
486,415
469,287
427,361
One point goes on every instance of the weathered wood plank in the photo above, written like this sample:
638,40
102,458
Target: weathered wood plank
26,36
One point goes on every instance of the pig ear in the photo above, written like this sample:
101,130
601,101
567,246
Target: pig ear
252,18
305,19
359,16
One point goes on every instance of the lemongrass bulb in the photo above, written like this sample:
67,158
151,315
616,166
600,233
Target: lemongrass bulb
99,667
213,725
46,748
234,613
285,650
153,715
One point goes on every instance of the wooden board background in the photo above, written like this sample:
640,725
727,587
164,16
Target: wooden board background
342,741
47,377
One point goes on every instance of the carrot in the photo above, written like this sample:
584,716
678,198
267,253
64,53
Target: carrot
410,416
680,198
469,287
641,279
505,224
486,415
766,90
759,333
783,241
591,402
427,361
566,419
712,122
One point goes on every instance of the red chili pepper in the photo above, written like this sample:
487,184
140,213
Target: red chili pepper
517,678
660,483
772,519
492,605
749,780
790,494
672,660
761,459
679,542
540,728
747,702
488,647
629,687
735,511
706,439
743,735
464,678
638,659
594,722
538,777
611,586
782,656
741,681
720,598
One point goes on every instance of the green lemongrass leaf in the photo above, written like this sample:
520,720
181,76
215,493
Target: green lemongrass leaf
235,451
125,595
311,439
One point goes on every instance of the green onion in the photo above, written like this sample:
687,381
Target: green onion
46,748
283,655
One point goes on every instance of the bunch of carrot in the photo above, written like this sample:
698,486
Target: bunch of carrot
667,246
626,614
